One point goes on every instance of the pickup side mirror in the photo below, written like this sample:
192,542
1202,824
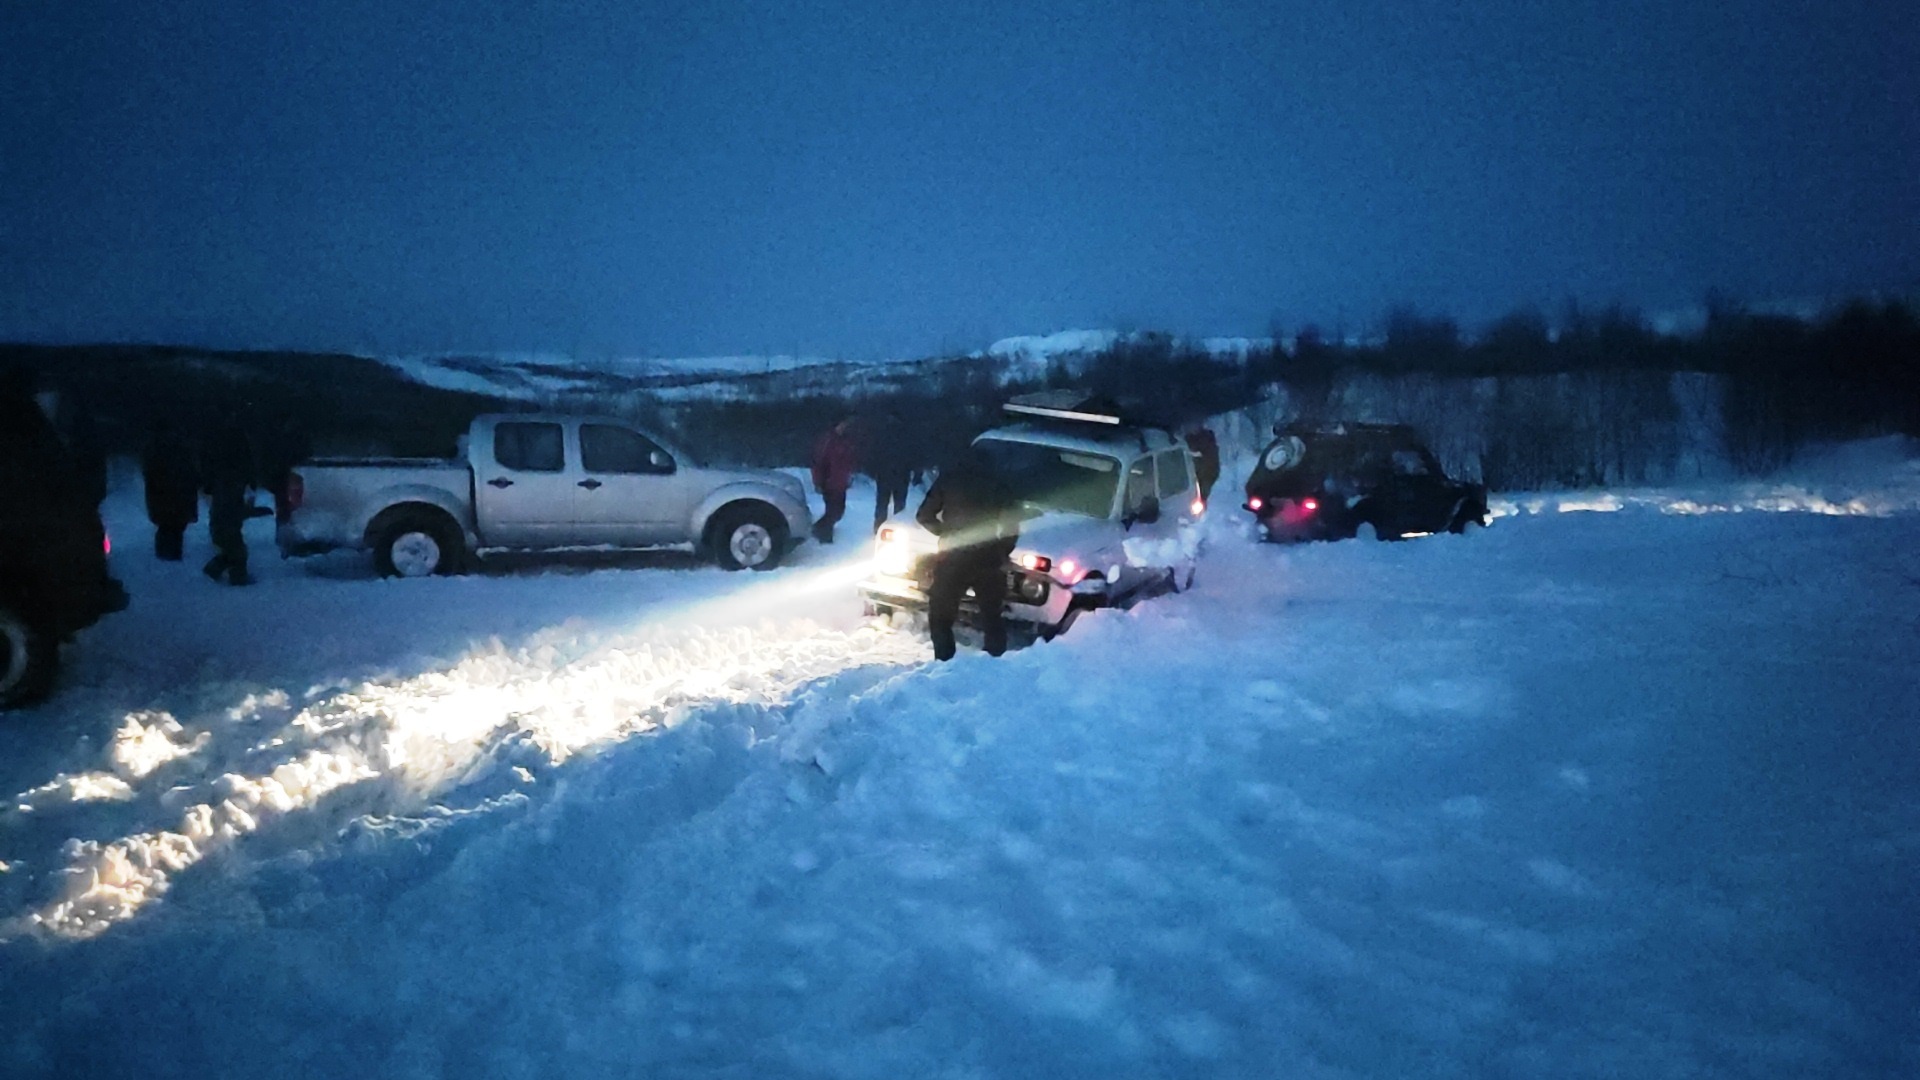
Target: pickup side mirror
661,461
1147,513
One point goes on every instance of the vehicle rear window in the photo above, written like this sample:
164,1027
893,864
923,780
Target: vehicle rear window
614,449
529,447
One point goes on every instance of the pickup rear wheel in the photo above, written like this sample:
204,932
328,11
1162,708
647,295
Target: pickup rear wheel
416,543
28,658
749,536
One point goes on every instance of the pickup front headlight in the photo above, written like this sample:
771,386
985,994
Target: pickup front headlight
891,555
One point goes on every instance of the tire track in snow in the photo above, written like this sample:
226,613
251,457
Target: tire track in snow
396,747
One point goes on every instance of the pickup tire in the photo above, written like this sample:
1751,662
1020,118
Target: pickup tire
416,541
29,657
747,536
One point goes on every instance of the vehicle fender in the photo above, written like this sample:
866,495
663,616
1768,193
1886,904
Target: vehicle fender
795,512
385,499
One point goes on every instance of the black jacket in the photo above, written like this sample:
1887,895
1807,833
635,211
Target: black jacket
969,507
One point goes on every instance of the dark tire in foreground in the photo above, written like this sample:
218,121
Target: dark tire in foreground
29,657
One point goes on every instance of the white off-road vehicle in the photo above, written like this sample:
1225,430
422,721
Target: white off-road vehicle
1111,515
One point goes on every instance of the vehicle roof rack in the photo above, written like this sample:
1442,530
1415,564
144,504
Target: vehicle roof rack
1068,405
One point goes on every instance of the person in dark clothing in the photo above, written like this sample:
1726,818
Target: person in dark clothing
977,519
172,487
1206,457
36,471
835,457
227,469
284,446
79,433
889,459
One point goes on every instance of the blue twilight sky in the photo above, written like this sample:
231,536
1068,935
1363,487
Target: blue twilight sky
904,176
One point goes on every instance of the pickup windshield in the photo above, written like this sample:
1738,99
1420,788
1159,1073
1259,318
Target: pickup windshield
1052,478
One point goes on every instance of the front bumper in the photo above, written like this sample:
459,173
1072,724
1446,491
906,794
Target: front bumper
892,592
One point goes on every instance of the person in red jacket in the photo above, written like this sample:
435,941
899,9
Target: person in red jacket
834,461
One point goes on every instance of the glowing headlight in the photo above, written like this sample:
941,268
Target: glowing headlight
891,555
1032,560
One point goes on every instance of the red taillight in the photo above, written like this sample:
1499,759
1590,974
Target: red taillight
1069,571
1255,502
1037,563
296,491
1199,507
106,543
886,535
1309,505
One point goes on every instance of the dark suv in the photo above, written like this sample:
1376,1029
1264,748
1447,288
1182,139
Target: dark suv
1326,482
54,580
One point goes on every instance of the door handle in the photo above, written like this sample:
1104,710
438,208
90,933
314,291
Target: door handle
590,484
500,482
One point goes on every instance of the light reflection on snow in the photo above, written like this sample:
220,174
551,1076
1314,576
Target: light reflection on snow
408,740
1783,500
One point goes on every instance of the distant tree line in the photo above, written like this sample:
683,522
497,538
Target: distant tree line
1588,398
1592,398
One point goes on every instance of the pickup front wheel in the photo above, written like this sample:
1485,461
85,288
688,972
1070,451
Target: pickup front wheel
28,657
416,543
749,537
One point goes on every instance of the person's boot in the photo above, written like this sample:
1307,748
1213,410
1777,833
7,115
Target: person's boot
216,568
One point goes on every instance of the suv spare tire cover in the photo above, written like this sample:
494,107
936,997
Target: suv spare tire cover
1285,453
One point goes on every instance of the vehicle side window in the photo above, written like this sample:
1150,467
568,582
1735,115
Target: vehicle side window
608,448
1139,483
529,447
1176,476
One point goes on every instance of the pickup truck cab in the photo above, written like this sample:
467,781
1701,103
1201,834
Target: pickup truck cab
1111,513
540,481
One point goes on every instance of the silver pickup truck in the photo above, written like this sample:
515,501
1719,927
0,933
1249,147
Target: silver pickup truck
541,481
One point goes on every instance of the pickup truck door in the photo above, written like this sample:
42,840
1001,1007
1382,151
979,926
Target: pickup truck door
522,489
627,490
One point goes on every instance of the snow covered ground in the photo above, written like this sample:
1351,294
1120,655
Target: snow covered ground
1627,793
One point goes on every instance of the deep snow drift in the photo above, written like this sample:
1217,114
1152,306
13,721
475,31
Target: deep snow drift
1621,793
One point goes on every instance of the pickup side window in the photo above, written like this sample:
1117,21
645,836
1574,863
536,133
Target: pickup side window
608,448
529,447
1175,478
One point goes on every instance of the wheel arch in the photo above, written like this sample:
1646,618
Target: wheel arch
393,512
417,496
741,502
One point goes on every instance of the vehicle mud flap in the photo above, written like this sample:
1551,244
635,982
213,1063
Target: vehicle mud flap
1066,623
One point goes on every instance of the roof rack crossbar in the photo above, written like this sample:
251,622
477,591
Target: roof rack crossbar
1062,414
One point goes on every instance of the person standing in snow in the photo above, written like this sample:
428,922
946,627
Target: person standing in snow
834,460
888,458
1206,457
228,470
172,488
284,446
975,515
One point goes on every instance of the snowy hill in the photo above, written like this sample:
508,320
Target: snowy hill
547,377
1587,794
